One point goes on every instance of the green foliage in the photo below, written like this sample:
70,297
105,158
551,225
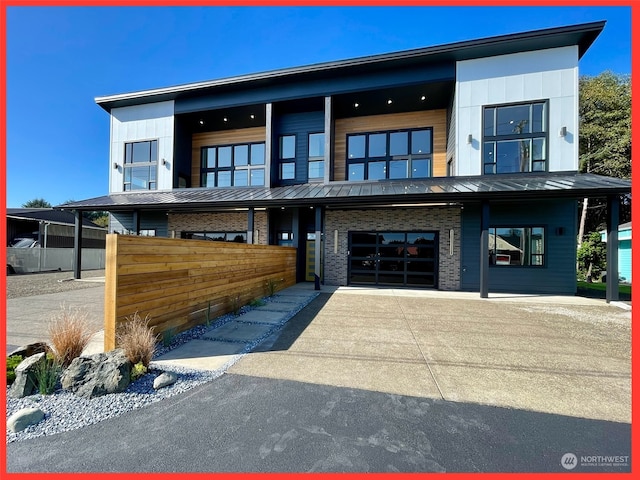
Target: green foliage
592,256
12,362
47,374
137,371
167,336
258,302
37,203
272,286
605,137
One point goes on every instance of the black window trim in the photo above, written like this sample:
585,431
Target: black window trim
516,136
232,168
525,225
388,157
129,165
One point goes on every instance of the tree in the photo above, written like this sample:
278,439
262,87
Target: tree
99,218
592,256
36,203
605,141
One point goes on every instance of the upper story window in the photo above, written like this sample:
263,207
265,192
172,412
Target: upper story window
316,156
287,157
519,246
389,155
515,138
140,165
240,165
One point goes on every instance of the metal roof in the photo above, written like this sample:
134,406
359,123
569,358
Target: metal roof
48,215
440,189
582,35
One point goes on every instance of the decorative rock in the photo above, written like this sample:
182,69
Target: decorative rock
31,349
23,418
99,374
164,380
26,383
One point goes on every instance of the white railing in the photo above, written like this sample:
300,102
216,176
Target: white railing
30,260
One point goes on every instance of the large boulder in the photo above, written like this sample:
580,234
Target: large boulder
26,382
30,349
99,374
24,418
164,380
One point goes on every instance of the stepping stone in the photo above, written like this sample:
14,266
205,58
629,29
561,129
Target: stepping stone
201,354
238,331
262,316
279,307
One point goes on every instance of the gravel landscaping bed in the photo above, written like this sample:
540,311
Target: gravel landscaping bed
65,411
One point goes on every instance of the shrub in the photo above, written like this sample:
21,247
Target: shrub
258,302
137,340
138,371
12,362
235,304
47,374
272,286
69,334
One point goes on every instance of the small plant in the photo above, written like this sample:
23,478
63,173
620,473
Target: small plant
69,334
208,315
235,304
12,362
167,336
47,373
258,302
137,371
272,286
137,340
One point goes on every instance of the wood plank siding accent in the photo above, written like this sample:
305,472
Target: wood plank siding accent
436,119
222,137
174,281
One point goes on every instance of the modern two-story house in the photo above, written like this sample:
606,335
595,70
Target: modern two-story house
451,167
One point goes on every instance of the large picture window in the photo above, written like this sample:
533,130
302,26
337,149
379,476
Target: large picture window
239,165
389,155
140,165
520,246
515,138
235,237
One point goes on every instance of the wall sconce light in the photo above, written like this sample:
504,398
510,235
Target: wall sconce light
563,132
164,162
451,239
469,139
335,241
115,165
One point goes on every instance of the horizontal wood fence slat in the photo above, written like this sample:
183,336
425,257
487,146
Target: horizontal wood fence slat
175,282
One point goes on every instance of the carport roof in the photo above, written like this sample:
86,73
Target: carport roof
431,190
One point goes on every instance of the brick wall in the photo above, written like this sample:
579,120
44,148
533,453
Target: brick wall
440,219
220,222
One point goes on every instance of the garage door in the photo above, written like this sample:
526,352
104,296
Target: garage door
393,258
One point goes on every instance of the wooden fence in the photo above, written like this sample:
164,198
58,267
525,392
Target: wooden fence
177,283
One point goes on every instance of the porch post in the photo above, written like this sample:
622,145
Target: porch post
484,250
318,248
135,222
77,246
295,227
613,219
328,138
268,144
250,228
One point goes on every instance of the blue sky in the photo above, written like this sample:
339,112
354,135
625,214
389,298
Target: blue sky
60,58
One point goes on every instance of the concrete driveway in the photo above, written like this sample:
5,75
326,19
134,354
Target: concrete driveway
560,355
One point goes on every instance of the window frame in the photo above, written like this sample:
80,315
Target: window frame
289,161
493,261
315,159
128,166
530,136
368,161
232,169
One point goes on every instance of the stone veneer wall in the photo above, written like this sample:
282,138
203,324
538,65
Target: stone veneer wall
220,222
440,219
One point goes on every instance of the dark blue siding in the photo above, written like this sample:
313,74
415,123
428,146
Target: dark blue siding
300,124
122,222
559,272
